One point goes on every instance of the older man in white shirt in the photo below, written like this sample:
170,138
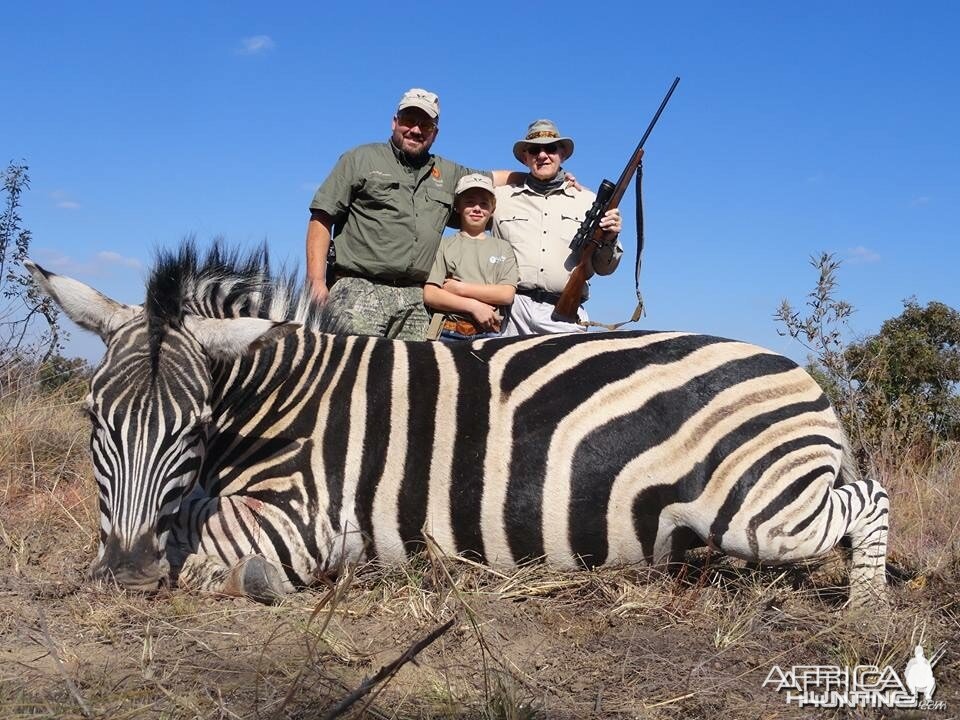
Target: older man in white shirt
539,217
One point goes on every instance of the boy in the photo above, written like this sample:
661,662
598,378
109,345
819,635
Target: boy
474,276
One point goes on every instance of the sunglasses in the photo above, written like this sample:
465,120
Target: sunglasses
414,120
551,149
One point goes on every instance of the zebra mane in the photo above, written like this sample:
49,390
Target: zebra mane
226,283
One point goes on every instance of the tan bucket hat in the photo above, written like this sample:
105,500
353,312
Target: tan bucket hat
542,132
422,99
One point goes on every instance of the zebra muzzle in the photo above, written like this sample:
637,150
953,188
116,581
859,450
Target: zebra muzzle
138,566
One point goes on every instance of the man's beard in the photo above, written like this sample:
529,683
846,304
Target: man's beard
417,158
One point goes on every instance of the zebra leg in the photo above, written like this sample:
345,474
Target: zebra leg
858,510
222,549
671,545
867,510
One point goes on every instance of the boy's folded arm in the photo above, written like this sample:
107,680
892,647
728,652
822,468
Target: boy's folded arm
489,294
437,298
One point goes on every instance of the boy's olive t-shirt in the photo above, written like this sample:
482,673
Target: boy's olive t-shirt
486,260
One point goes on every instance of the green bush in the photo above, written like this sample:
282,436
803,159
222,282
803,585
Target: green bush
897,391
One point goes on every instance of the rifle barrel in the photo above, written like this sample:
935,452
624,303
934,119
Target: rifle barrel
656,117
608,196
628,170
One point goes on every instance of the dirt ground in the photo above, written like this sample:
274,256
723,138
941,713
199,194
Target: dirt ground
610,644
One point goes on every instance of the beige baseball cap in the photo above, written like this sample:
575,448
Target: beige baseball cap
422,99
474,180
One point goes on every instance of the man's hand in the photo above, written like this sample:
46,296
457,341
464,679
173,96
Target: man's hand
572,180
611,224
320,292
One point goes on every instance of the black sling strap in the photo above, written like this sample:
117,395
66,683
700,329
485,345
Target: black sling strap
640,311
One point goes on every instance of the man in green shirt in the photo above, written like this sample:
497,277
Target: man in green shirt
386,205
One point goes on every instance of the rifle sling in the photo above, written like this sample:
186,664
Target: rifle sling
640,310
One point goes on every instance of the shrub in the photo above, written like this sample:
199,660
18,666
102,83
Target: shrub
896,391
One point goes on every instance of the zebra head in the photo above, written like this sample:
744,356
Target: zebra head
149,403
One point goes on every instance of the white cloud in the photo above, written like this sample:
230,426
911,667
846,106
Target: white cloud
108,256
920,201
860,255
57,261
63,200
95,267
256,45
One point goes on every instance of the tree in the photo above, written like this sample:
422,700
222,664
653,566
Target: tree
29,321
896,391
821,332
913,365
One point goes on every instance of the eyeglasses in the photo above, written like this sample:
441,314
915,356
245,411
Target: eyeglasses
409,119
551,149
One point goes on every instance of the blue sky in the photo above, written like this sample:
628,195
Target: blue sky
796,129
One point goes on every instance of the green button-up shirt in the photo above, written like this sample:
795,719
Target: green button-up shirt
388,216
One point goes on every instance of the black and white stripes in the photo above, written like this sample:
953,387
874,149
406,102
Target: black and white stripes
307,449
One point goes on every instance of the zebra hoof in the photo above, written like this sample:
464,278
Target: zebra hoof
261,581
870,599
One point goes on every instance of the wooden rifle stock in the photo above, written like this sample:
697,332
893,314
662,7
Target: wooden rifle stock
590,237
569,302
587,240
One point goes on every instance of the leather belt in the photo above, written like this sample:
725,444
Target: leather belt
394,282
539,295
461,327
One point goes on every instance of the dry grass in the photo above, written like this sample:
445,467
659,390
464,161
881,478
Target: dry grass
925,495
43,435
627,643
44,472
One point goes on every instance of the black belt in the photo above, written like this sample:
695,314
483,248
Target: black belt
541,296
395,282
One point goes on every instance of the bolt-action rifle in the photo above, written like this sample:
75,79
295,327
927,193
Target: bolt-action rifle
590,237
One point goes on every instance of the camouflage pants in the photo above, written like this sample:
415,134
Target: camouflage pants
365,307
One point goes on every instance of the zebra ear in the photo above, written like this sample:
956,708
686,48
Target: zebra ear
229,338
88,308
